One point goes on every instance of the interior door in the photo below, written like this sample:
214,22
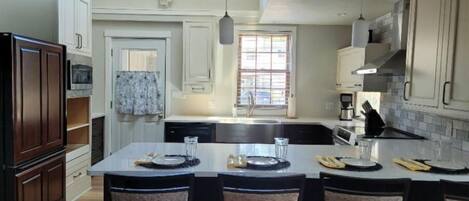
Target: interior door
138,55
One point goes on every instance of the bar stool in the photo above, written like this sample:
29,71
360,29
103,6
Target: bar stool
454,191
341,188
242,188
148,188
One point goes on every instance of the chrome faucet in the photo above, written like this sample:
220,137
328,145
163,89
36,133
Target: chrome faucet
251,104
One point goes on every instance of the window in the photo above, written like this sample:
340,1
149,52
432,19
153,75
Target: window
264,68
138,60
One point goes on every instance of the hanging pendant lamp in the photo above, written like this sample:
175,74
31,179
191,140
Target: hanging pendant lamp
226,28
360,31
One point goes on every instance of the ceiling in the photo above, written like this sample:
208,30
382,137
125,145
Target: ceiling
322,12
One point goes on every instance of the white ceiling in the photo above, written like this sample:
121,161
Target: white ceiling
322,12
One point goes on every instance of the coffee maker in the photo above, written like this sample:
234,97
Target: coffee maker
347,112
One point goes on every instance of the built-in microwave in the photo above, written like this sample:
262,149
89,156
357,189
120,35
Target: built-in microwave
80,77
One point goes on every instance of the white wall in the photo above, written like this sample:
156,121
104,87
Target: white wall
316,70
34,18
179,4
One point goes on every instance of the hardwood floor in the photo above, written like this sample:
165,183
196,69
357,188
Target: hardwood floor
96,192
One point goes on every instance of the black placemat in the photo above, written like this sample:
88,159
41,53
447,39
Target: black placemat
282,164
437,170
187,164
357,169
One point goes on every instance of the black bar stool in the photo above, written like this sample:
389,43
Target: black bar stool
148,188
454,191
242,188
341,188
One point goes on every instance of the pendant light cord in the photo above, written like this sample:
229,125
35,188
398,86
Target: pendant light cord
226,6
361,10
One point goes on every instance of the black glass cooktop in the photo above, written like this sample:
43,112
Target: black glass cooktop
386,133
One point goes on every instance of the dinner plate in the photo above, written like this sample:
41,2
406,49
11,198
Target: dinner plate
262,161
450,166
169,160
357,162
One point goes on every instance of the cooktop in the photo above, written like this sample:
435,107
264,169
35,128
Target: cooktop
386,133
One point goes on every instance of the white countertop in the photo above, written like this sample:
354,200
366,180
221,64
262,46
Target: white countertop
327,122
214,157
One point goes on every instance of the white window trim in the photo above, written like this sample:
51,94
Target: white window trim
267,28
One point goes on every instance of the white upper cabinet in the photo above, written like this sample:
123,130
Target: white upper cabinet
198,56
350,59
75,26
456,71
422,80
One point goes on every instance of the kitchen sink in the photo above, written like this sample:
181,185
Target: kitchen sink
248,121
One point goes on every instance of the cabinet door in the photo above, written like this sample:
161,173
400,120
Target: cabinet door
67,35
43,182
423,53
197,52
83,25
38,102
456,94
349,60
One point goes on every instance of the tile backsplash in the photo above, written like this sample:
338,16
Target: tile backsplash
432,126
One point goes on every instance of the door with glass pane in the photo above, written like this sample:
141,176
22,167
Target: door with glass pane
131,122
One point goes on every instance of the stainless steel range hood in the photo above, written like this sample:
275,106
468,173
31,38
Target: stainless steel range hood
394,62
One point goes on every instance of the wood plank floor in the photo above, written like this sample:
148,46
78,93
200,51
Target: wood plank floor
96,192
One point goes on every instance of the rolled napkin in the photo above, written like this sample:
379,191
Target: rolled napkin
147,159
330,162
412,164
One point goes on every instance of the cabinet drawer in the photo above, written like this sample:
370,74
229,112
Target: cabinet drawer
77,183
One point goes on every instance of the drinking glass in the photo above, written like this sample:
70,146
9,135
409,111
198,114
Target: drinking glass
444,150
281,148
365,147
191,146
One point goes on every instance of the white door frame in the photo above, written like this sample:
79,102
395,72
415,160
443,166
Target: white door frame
109,35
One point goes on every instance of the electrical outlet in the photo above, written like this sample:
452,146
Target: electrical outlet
330,106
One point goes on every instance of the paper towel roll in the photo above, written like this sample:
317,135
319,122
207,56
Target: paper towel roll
291,111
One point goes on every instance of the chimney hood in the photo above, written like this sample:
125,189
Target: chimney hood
394,62
391,64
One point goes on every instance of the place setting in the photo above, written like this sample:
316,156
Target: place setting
172,161
262,162
362,163
443,160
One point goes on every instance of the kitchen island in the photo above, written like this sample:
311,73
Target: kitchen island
213,159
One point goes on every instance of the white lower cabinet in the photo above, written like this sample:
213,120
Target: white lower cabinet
77,181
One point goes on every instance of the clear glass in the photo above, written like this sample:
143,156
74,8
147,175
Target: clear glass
191,146
365,146
139,60
281,148
444,150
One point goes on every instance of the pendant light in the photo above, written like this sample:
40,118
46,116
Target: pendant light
226,28
360,31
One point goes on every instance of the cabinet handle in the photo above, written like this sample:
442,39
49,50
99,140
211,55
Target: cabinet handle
405,90
78,41
76,176
444,92
358,85
81,41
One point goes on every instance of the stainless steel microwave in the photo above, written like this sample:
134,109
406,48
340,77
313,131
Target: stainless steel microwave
80,77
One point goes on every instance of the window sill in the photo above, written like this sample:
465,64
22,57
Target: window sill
264,111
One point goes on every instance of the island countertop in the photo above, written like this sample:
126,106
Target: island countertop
214,157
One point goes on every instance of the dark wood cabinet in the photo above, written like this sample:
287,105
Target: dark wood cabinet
34,95
308,134
42,182
175,132
97,146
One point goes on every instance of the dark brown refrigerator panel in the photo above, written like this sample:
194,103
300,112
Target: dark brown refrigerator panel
38,100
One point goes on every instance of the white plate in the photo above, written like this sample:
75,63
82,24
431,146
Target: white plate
357,162
450,166
169,160
262,161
